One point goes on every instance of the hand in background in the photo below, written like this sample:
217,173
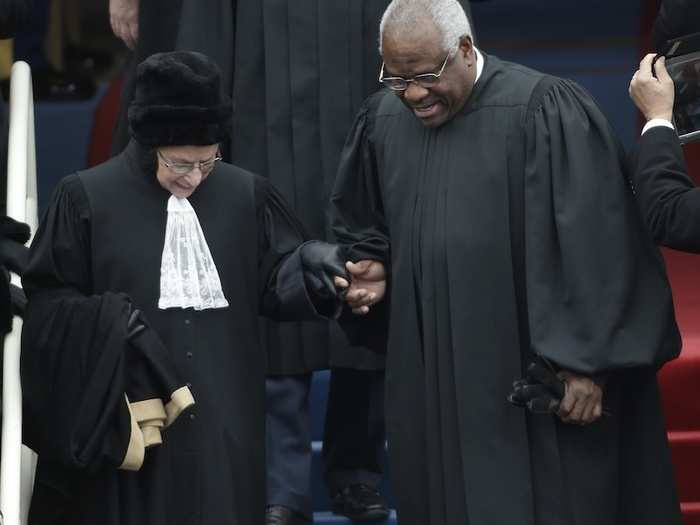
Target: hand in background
654,96
124,19
368,285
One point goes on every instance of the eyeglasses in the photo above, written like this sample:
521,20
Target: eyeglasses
426,80
183,168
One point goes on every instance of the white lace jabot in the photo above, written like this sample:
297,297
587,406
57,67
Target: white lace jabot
188,276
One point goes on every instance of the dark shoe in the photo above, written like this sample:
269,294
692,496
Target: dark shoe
279,515
360,503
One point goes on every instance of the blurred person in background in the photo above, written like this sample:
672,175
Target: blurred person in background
668,197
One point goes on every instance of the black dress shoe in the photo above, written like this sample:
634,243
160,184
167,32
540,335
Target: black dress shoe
360,503
280,515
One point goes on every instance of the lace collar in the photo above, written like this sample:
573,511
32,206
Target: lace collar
188,275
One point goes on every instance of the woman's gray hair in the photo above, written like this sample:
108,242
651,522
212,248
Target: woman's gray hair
407,17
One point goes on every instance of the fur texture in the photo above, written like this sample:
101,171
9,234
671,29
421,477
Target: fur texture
179,102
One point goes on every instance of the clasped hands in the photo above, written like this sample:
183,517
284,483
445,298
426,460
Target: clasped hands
366,287
330,277
576,399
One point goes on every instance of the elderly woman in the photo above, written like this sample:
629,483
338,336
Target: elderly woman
145,281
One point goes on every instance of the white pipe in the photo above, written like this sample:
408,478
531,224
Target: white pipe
17,463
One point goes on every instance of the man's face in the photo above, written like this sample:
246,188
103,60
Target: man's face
424,53
176,167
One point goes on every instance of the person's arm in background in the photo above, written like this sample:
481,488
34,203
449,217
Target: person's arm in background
124,19
667,196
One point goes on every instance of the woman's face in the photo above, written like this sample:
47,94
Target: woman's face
181,169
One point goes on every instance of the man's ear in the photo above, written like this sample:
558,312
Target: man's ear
466,46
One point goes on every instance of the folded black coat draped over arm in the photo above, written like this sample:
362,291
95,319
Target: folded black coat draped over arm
87,386
73,347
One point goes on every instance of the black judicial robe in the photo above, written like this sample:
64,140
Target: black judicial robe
103,232
511,231
302,70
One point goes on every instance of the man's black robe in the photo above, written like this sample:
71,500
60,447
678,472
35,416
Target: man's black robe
511,231
103,232
302,70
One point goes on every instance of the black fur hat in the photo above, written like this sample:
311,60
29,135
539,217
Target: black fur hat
178,101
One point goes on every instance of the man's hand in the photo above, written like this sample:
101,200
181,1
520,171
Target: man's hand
583,400
368,285
653,96
124,18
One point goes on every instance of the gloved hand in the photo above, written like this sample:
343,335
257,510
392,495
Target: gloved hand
13,257
14,254
540,391
322,262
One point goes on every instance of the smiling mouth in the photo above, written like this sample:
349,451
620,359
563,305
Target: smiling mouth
426,110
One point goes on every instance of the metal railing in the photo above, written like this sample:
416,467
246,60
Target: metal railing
18,462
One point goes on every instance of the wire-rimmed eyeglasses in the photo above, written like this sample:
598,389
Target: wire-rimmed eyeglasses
183,168
426,80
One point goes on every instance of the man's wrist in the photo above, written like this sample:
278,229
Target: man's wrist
656,122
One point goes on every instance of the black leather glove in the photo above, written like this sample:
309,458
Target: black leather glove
540,391
322,262
13,257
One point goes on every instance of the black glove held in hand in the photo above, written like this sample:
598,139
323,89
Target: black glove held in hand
540,391
13,257
13,253
321,262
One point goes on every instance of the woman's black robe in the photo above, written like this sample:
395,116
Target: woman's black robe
103,232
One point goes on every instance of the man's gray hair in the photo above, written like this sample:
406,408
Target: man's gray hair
407,17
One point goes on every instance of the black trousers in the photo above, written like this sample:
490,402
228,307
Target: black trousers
353,438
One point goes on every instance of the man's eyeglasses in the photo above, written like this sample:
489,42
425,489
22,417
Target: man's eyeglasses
426,80
183,168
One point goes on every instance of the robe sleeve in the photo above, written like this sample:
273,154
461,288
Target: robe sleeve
597,293
358,222
282,287
668,197
75,412
357,211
